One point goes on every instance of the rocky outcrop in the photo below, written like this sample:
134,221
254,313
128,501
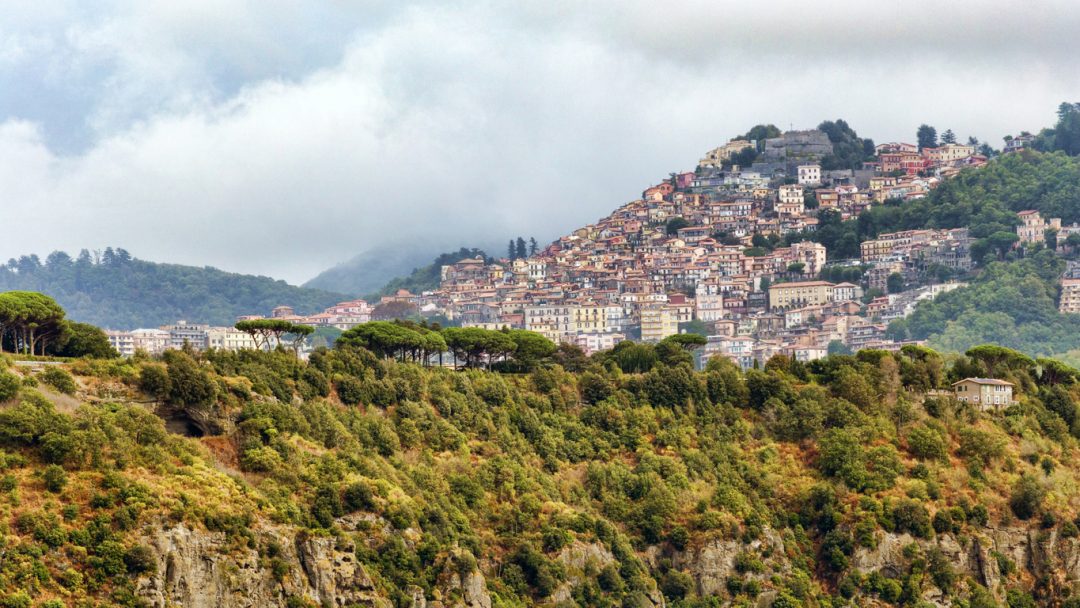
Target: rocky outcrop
716,560
197,568
1041,553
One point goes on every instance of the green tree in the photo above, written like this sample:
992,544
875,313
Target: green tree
1027,497
674,225
926,136
531,348
895,282
83,340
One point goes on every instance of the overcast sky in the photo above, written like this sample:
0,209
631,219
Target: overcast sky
280,138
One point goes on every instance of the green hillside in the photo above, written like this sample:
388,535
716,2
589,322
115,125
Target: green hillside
839,482
122,292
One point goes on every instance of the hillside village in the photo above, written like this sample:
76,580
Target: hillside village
724,250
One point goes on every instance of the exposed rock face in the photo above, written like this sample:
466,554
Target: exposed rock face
1043,554
1039,555
195,570
714,562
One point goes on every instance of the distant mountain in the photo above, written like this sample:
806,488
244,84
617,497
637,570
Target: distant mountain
371,270
389,268
428,276
121,292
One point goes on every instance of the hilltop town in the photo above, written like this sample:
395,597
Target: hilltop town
726,250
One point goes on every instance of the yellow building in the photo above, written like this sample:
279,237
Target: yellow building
800,294
591,318
984,392
657,323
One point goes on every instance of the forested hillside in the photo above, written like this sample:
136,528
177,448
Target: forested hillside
1011,303
1013,296
625,479
370,271
121,292
985,200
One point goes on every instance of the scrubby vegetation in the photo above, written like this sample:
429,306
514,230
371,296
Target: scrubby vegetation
801,467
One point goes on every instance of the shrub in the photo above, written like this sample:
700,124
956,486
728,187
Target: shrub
746,561
59,379
594,387
910,516
9,386
676,585
358,497
262,459
350,390
55,478
941,571
139,560
926,443
1027,497
980,446
19,599
189,383
1069,530
154,380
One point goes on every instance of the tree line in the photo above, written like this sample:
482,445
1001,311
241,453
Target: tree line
32,323
404,340
518,249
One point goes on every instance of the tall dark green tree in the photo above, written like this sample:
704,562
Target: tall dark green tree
926,136
1067,129
521,251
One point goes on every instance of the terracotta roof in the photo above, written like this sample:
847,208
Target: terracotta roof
991,381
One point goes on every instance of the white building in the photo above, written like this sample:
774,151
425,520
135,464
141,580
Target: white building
122,342
710,306
229,338
809,175
596,342
555,322
151,341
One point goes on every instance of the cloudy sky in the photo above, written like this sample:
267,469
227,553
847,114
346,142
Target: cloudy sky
280,138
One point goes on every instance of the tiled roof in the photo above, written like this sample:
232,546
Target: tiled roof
992,381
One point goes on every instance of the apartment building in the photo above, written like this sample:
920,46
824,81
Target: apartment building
1070,296
191,334
596,342
658,322
797,295
555,322
1033,227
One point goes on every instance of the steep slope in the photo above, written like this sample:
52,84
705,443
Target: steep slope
799,485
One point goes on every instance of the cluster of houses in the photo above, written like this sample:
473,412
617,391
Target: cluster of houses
154,341
701,247
699,251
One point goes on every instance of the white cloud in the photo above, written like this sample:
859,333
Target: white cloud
229,133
